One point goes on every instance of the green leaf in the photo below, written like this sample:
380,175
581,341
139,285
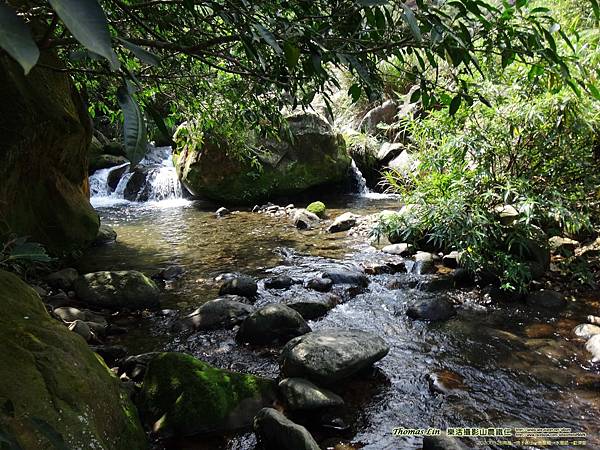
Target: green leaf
85,19
141,53
15,38
268,37
410,18
354,92
373,2
292,54
134,127
455,104
596,9
159,122
594,91
29,251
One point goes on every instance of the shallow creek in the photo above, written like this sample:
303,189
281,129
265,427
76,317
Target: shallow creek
505,369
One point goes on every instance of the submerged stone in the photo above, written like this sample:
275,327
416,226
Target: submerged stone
183,396
434,309
274,431
271,324
301,394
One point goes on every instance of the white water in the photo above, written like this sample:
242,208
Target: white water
361,185
162,185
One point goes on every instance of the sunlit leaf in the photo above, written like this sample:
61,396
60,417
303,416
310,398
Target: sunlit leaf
85,19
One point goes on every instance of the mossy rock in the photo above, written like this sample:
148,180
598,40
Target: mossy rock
183,396
45,133
317,208
317,157
54,388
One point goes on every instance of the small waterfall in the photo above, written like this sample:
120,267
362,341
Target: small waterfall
359,180
154,179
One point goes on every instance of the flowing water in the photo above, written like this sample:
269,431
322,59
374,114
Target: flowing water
502,376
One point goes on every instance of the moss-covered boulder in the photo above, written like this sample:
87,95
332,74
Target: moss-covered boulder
53,384
316,157
183,396
45,133
317,208
121,289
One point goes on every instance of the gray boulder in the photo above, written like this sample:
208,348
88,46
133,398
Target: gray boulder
402,249
219,313
300,394
274,431
343,222
113,290
239,285
434,309
106,235
327,356
311,309
383,114
319,284
272,323
279,282
442,443
346,276
63,279
305,220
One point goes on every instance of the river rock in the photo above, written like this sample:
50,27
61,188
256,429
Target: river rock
319,284
546,299
383,114
317,208
171,273
114,290
70,314
222,212
274,431
327,356
433,309
135,366
593,346
239,285
115,175
272,323
442,443
593,320
82,329
451,260
279,282
315,156
424,263
305,220
312,309
106,235
562,244
301,394
203,399
63,279
586,330
105,161
402,249
435,284
345,276
343,222
219,313
50,374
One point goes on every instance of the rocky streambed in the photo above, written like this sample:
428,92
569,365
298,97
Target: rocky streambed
347,340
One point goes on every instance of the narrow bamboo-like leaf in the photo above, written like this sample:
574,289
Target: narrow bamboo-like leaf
596,8
85,19
268,37
134,127
15,38
410,18
141,53
594,91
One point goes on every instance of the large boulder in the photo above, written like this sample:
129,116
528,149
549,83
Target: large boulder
272,323
274,431
53,384
327,356
299,394
123,289
45,133
223,312
183,396
317,157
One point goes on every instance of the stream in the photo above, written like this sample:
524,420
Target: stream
507,365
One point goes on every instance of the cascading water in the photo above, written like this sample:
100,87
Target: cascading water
359,180
153,180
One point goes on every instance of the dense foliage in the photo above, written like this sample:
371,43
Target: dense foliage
534,152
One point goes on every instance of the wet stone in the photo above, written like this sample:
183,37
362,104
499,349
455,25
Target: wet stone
433,309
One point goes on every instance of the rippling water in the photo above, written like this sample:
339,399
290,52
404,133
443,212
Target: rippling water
507,378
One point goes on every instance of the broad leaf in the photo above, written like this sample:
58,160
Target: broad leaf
159,122
410,18
85,19
134,127
268,37
141,53
292,54
455,104
354,92
29,251
15,38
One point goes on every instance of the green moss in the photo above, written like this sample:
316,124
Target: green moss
317,208
49,375
182,395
